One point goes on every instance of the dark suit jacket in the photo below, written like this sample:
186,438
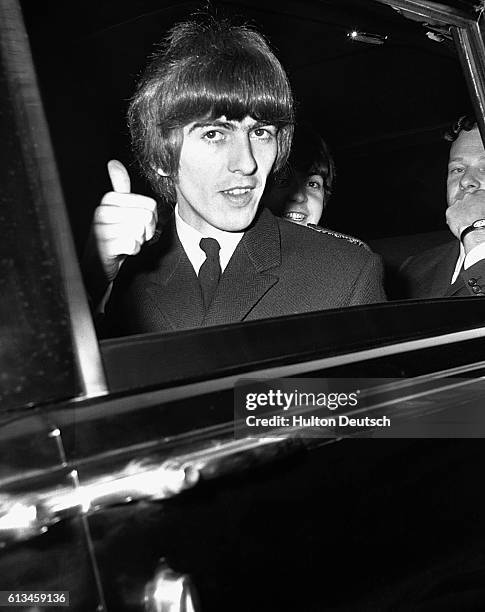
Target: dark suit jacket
278,268
428,275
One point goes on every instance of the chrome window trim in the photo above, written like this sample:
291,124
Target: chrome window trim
468,40
300,369
471,52
431,11
147,398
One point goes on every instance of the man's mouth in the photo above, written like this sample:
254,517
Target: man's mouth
294,216
237,191
240,195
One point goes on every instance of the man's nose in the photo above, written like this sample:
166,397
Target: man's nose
298,195
470,180
242,159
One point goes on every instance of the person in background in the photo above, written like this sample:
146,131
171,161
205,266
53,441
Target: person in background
456,268
302,191
303,188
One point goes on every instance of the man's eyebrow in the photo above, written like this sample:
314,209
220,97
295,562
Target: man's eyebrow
459,159
259,124
229,125
212,123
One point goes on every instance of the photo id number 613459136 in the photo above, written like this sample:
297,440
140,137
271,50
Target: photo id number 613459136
45,598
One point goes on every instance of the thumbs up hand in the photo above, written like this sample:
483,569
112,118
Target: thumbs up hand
122,222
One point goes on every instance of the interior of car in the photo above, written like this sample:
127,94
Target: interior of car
379,86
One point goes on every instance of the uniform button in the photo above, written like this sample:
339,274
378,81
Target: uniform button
477,289
472,281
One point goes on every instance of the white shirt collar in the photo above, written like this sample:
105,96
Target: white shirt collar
476,254
459,264
190,238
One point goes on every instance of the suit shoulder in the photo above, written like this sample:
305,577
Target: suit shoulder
339,235
313,235
432,256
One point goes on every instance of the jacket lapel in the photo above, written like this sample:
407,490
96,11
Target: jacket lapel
175,289
246,278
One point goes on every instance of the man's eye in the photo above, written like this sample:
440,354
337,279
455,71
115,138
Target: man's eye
213,135
314,183
263,133
456,170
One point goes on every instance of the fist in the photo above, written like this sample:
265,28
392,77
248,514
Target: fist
123,221
464,212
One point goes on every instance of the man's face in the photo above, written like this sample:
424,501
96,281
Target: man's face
305,200
222,172
299,198
466,168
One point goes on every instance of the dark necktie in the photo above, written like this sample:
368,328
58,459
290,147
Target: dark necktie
210,270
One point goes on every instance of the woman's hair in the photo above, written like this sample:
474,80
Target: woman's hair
205,70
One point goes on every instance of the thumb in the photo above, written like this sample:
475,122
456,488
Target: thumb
120,179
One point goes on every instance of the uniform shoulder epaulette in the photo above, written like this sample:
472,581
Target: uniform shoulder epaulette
351,239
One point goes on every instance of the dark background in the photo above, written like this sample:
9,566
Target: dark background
382,108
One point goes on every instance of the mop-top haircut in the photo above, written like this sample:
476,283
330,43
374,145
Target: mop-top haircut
206,70
310,155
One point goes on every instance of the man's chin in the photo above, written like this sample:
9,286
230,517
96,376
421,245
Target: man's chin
238,222
236,227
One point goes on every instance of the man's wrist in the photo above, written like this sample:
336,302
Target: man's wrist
97,273
473,235
476,226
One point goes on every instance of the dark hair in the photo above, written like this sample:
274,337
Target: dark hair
310,155
205,70
465,122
